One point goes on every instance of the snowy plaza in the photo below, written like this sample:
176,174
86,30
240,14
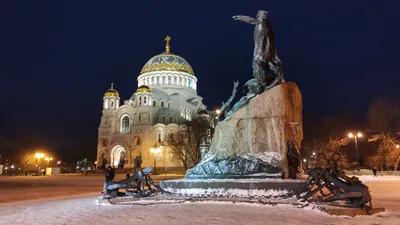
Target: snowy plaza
78,205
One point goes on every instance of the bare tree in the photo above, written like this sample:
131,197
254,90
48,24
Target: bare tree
388,150
327,147
383,116
186,144
27,160
383,119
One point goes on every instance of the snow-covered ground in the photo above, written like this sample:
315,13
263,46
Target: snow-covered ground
84,210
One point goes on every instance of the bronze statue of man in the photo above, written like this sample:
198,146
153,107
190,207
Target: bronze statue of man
267,67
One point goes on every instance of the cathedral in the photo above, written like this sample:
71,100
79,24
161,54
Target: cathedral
166,97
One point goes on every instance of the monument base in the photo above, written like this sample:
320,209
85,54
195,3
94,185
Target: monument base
207,186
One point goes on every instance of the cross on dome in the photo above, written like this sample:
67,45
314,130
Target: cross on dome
167,46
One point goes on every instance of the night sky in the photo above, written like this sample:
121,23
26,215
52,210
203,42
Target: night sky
57,58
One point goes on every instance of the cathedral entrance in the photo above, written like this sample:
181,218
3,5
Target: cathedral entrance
118,156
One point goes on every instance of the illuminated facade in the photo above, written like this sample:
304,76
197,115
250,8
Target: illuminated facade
166,96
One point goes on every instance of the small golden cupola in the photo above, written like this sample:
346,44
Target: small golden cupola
111,92
143,89
111,98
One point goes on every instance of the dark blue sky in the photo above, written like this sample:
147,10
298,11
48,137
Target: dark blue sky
57,58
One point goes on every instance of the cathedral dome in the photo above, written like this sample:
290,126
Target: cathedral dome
111,92
144,88
167,61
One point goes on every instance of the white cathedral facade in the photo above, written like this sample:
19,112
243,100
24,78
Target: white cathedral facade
166,96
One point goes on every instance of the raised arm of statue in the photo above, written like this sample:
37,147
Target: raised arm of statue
246,19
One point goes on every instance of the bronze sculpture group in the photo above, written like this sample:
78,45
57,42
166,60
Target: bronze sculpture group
267,67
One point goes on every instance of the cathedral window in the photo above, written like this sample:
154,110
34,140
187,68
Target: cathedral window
162,104
170,119
144,100
154,103
125,128
159,137
169,80
140,117
156,119
163,119
171,136
169,105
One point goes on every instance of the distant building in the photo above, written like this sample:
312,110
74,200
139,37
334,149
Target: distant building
166,96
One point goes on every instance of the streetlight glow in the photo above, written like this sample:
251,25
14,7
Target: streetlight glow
397,146
304,160
218,111
12,166
356,136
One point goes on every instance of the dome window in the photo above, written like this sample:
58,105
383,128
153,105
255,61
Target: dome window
154,103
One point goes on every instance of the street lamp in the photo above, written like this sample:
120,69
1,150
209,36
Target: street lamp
356,136
38,156
48,160
154,149
218,112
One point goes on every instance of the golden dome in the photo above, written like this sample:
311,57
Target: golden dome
167,61
143,88
111,92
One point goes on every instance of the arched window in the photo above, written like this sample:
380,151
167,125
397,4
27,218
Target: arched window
162,104
112,104
170,119
169,105
169,80
125,128
171,136
140,117
163,119
156,119
145,100
140,100
159,137
154,103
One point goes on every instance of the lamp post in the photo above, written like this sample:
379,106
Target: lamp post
155,149
356,136
48,160
38,156
217,118
398,159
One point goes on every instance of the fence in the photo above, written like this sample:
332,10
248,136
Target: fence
369,172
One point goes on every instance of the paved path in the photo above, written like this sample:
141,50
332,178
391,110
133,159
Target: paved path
30,188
